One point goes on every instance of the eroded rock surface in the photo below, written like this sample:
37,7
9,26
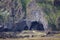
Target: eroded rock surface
35,13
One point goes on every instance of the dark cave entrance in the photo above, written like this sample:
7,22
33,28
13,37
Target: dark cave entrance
37,26
26,28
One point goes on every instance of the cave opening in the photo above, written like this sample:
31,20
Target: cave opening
26,28
37,26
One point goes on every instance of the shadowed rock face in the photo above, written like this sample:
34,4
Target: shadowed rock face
34,26
56,3
21,26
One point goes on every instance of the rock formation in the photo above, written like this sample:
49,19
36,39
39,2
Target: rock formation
16,20
35,13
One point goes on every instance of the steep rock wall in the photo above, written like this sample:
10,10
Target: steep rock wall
35,13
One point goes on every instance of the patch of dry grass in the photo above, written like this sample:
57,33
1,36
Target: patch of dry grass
35,38
54,37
